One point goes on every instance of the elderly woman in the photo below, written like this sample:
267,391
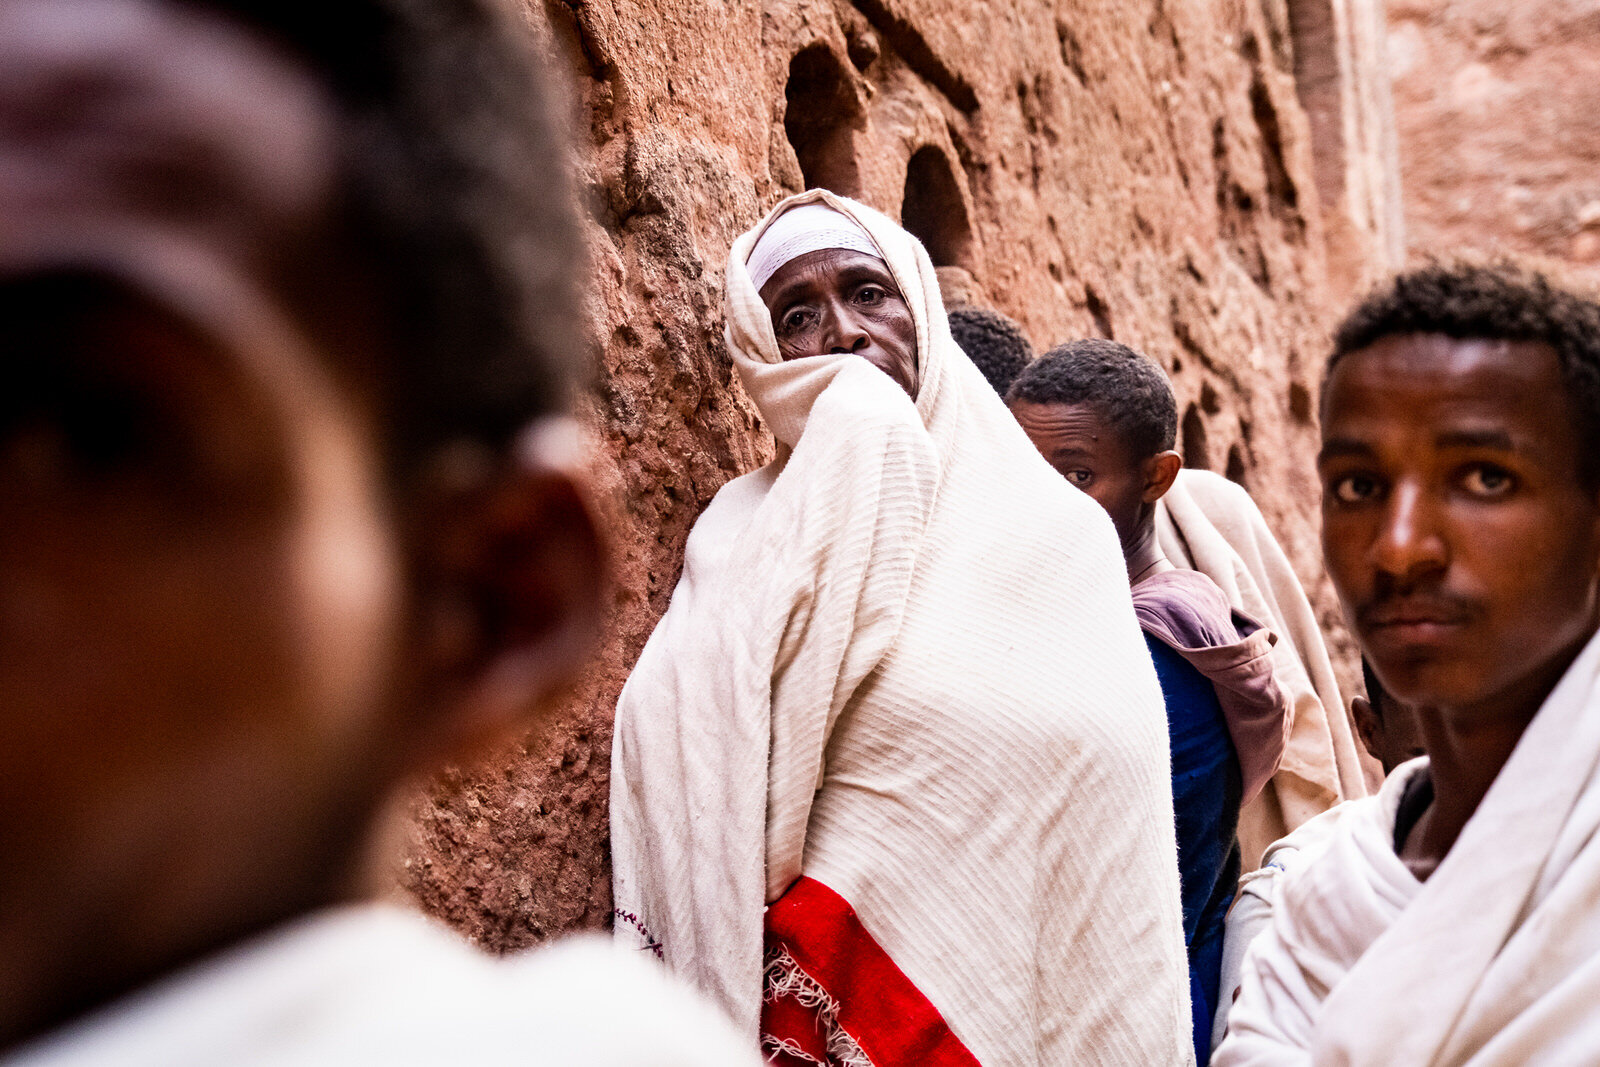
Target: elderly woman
890,777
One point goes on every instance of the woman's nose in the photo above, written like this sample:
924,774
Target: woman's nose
846,334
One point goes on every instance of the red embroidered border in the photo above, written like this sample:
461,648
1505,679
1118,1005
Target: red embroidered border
879,1007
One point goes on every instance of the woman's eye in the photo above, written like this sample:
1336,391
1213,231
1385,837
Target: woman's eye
1487,480
1354,488
796,320
1080,478
870,294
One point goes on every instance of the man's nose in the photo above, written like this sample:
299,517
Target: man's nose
1410,542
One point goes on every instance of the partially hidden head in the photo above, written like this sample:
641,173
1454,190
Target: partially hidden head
994,343
288,505
1104,417
830,292
1388,727
1460,471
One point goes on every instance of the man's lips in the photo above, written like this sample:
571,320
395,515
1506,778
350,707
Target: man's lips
1413,619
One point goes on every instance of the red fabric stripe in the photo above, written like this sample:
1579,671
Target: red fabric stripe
879,1007
797,1025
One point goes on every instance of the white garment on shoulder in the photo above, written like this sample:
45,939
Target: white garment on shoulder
1210,524
380,985
1493,962
1258,896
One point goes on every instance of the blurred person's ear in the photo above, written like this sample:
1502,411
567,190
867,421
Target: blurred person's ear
1368,726
514,570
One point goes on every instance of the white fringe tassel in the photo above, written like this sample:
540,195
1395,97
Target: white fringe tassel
784,978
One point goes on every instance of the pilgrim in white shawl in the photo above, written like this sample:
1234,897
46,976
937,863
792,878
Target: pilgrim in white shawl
890,777
248,583
1104,416
1453,918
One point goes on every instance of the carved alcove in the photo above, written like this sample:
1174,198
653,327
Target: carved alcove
933,209
822,114
1192,432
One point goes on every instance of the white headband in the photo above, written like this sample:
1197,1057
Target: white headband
803,229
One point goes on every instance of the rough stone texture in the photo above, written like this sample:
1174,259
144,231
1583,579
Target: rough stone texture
1141,169
1341,77
1499,128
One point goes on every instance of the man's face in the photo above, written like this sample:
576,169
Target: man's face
1456,529
1089,454
837,300
200,590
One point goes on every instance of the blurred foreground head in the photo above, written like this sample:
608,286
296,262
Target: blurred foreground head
287,507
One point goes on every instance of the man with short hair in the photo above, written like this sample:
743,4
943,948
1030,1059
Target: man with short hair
1452,918
1104,416
289,510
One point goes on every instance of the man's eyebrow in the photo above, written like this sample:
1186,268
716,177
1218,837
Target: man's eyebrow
1340,447
1495,439
1499,440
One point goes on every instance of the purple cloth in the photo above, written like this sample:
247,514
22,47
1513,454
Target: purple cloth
1188,613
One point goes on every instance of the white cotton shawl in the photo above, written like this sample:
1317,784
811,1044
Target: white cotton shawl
1493,962
904,569
1210,524
381,986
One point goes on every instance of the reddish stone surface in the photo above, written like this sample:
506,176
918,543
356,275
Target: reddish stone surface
1499,132
1139,169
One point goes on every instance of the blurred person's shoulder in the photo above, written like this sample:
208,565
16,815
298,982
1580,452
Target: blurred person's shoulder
382,985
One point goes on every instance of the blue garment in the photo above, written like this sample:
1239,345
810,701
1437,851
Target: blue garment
1206,791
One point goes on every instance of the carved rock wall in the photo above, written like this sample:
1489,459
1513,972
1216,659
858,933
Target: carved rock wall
1340,57
1141,169
1499,132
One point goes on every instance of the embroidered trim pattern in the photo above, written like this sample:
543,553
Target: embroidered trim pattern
650,943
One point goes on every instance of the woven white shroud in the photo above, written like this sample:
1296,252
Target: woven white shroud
1494,961
902,658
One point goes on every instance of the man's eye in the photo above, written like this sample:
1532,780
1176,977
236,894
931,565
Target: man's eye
1080,478
1354,488
1488,480
871,294
796,320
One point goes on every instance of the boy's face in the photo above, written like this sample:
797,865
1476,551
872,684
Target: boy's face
1455,526
1088,453
1093,456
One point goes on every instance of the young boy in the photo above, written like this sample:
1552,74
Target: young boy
1105,418
1452,917
288,511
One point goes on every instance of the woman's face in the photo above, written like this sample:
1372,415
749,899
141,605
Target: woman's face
838,300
